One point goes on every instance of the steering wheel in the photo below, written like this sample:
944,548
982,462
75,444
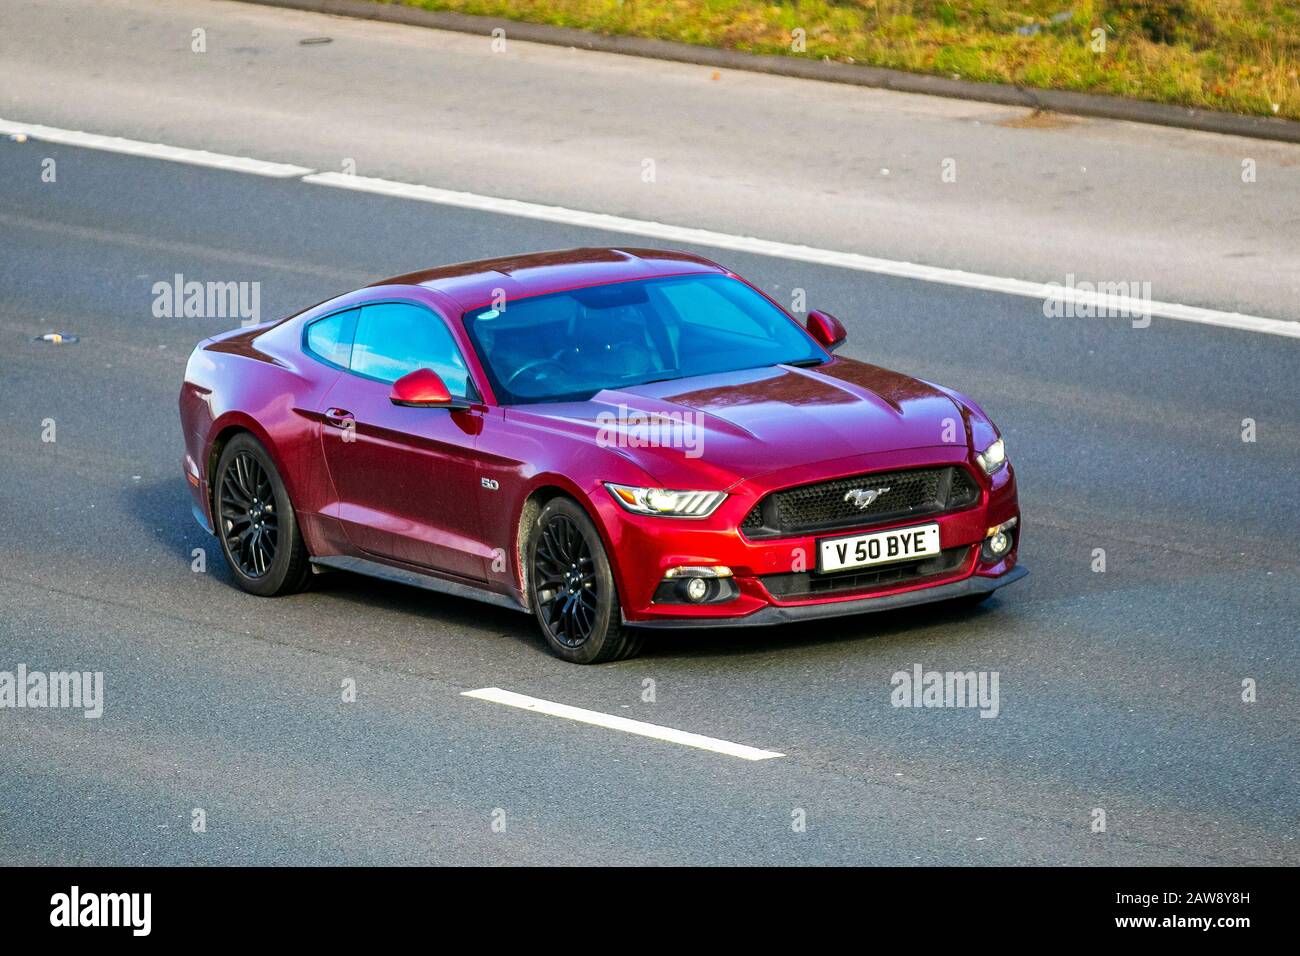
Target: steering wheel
532,367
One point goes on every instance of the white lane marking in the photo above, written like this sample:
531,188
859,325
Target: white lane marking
1123,305
132,147
498,696
659,230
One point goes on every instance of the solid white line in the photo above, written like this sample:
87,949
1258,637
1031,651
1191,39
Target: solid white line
1113,304
498,696
132,147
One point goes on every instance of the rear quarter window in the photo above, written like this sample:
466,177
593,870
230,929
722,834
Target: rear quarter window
330,338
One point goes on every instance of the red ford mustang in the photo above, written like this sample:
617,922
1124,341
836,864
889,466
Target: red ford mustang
612,439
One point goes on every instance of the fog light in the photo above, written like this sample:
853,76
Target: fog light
998,541
697,584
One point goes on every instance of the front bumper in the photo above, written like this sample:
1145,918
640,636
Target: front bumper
643,548
793,613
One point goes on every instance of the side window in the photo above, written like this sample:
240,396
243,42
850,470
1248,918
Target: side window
331,337
394,338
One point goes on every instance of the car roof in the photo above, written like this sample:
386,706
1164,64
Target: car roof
472,284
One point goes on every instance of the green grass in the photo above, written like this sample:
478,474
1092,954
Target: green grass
1241,56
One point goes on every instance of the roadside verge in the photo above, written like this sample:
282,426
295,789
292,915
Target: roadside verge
1058,101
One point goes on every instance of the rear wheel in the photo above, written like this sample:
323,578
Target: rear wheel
255,521
571,588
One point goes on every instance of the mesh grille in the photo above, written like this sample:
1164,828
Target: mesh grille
861,500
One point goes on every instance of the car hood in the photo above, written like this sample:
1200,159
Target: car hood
738,425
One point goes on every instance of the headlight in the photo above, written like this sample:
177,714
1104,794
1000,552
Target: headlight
660,501
992,459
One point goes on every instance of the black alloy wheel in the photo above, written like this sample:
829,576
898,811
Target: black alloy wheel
572,590
255,521
249,517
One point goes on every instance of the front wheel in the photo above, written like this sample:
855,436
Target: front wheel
571,587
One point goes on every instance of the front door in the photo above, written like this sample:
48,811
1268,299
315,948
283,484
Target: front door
405,477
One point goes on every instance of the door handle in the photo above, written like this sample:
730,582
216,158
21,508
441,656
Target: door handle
340,418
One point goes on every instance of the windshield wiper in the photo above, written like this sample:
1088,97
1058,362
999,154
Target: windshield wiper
801,363
651,381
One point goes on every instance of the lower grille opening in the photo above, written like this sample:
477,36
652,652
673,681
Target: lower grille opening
809,584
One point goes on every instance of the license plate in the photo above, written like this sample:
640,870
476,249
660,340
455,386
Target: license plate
878,547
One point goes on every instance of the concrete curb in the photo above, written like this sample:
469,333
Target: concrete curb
1059,101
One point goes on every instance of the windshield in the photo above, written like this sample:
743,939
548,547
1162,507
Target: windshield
567,346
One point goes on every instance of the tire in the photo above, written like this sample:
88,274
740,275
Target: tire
260,540
571,588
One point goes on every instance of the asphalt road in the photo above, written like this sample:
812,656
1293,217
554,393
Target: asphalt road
1120,689
1208,220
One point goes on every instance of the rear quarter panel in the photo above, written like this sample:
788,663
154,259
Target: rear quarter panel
258,380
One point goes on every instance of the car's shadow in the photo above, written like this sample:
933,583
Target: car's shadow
443,610
454,613
737,641
161,508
